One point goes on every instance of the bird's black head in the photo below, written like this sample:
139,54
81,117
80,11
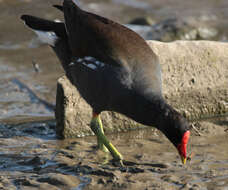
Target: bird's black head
176,129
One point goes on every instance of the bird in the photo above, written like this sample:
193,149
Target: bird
113,69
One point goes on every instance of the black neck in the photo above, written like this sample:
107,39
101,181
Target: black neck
154,111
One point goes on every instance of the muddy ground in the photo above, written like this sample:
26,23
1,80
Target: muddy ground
32,158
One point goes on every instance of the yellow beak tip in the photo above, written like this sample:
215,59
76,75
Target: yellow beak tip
183,160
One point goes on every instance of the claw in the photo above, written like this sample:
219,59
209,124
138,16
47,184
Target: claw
118,163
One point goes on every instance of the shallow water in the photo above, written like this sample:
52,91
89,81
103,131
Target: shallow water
31,152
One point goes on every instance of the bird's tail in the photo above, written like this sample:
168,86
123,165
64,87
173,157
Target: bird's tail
52,33
48,31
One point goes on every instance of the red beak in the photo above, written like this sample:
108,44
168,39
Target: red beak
182,147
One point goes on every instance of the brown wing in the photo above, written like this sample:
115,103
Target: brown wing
108,41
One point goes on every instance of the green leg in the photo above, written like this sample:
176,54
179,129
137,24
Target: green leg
97,124
103,142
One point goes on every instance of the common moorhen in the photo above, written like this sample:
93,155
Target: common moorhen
114,69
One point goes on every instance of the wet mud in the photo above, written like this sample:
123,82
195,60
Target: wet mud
31,157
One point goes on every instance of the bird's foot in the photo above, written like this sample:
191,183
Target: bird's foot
117,163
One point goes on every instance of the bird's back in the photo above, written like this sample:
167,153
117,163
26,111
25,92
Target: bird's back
113,44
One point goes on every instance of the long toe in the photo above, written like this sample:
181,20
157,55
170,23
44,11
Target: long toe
117,163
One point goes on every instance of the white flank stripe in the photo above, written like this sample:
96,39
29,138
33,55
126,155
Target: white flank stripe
92,66
71,64
79,60
89,62
100,64
46,37
88,58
